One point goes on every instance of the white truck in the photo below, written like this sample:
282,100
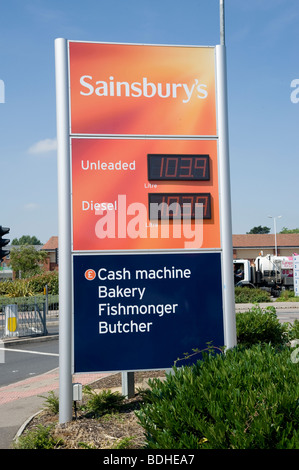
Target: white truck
271,273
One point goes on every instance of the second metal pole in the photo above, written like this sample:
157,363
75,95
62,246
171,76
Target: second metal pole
128,384
222,23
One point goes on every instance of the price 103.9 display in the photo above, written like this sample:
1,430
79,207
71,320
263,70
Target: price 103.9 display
178,167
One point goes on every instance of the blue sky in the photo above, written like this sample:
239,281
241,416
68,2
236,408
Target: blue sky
262,38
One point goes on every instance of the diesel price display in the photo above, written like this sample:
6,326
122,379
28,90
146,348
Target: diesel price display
165,206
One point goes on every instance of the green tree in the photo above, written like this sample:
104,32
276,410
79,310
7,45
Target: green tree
26,261
287,230
259,229
26,240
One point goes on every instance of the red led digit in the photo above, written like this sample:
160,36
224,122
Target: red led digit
201,164
187,203
174,206
168,170
187,166
161,169
164,211
204,201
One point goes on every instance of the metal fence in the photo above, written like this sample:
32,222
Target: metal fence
27,316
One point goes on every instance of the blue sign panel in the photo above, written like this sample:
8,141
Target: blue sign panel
144,311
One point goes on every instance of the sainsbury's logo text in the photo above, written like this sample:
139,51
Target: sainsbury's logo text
182,91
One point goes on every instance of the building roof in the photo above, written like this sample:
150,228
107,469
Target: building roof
52,244
266,240
239,241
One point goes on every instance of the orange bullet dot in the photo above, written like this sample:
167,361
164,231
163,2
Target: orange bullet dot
90,274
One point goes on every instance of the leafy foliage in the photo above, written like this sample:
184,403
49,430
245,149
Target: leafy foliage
40,438
26,240
287,230
52,402
125,443
260,326
37,283
245,295
287,296
259,229
293,331
32,286
103,402
17,288
246,398
27,260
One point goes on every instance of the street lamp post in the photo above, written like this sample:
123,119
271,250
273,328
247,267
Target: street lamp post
274,218
222,23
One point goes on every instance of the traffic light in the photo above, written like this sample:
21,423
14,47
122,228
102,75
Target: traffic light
3,242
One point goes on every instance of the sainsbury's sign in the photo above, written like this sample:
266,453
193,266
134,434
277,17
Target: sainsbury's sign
136,90
182,91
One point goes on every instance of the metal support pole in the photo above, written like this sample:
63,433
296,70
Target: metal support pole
64,232
222,23
46,291
225,201
46,310
128,384
275,236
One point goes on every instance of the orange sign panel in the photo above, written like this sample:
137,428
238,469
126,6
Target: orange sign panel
114,181
119,89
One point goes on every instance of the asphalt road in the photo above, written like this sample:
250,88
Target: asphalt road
22,361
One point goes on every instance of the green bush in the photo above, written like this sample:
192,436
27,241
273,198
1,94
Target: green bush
287,296
31,286
17,288
37,283
244,295
101,403
52,402
260,326
40,438
293,330
246,398
4,286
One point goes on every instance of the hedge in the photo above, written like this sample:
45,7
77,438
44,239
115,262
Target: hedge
243,398
246,398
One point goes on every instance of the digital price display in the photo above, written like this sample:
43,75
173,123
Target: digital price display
174,206
112,177
178,167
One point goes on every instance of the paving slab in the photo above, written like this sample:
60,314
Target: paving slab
21,400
